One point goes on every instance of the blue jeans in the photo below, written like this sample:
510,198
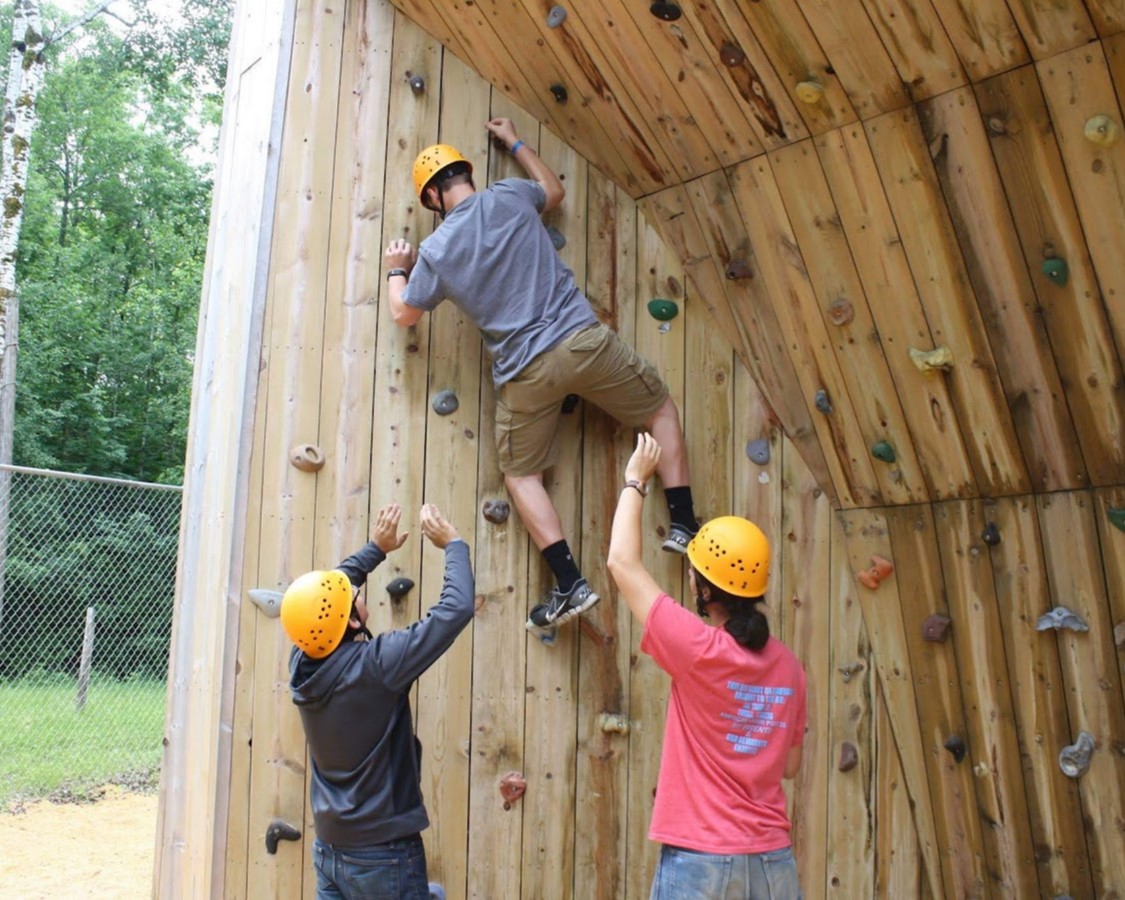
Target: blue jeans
691,875
395,870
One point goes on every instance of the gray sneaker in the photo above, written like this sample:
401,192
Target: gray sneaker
561,607
678,539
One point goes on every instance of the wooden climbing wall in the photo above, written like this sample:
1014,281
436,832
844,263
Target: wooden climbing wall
809,246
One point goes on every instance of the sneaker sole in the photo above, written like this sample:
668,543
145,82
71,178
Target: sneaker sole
574,611
673,546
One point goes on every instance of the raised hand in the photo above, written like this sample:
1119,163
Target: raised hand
643,462
401,254
436,528
385,533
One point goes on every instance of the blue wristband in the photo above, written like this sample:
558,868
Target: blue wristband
515,147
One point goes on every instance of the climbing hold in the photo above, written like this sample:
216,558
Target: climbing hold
809,91
840,312
662,309
1061,617
732,55
883,451
955,745
669,12
437,892
558,239
613,723
512,787
307,457
445,402
496,511
936,628
399,588
1101,130
417,84
849,670
873,577
849,757
938,359
559,90
1119,634
280,831
1117,517
570,402
1055,269
1074,759
759,451
556,17
267,601
991,534
822,402
739,268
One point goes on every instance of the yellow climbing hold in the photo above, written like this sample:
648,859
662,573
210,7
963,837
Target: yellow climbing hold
809,91
938,359
1101,130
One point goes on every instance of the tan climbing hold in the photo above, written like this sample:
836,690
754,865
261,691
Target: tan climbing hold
1119,634
1101,130
809,91
880,569
940,359
613,723
307,457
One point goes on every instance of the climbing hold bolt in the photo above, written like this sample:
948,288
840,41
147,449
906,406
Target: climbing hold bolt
280,831
1055,269
991,534
1101,130
759,451
939,359
496,511
556,17
399,588
849,757
955,745
662,309
732,55
512,787
613,723
445,402
840,312
307,457
822,402
809,91
559,90
739,268
1117,517
1061,617
936,628
883,451
569,404
417,84
1074,759
873,577
669,12
558,239
267,601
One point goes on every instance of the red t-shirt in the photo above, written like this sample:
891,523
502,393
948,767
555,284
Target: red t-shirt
733,715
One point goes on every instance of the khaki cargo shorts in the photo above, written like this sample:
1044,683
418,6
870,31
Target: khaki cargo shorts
594,363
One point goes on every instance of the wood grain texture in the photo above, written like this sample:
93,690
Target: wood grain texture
915,38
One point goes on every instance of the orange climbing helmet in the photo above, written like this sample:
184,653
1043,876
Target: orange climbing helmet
315,611
433,160
733,554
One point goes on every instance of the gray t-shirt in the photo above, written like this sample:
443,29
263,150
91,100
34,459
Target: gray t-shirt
492,256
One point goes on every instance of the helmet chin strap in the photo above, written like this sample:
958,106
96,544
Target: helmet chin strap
701,603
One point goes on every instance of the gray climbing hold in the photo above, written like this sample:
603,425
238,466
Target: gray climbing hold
559,91
556,17
417,84
267,601
437,892
991,534
955,745
669,12
558,239
1075,759
759,451
496,511
445,402
1061,617
399,588
822,402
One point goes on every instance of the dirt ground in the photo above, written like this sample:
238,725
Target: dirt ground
67,851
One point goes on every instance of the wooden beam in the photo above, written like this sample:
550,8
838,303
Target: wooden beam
915,38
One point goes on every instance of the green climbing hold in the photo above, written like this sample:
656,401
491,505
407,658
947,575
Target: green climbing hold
1056,270
662,309
883,451
1117,517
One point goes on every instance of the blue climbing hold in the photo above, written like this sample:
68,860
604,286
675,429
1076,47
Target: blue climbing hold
759,451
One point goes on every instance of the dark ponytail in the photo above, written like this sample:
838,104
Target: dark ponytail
746,623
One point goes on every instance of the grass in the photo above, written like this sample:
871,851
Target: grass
49,748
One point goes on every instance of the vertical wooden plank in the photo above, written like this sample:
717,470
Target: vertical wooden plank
1074,315
894,311
985,35
1050,28
982,666
1113,557
915,38
1091,675
854,801
818,231
1022,595
998,273
899,870
866,534
1108,15
950,306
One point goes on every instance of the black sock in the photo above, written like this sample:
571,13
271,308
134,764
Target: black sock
680,508
562,564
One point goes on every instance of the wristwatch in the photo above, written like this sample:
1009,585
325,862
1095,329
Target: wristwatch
640,487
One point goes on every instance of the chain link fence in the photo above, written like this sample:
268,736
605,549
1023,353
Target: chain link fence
88,577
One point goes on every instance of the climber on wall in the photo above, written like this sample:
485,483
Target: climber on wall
353,693
736,710
492,257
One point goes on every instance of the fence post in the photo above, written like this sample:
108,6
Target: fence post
87,656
